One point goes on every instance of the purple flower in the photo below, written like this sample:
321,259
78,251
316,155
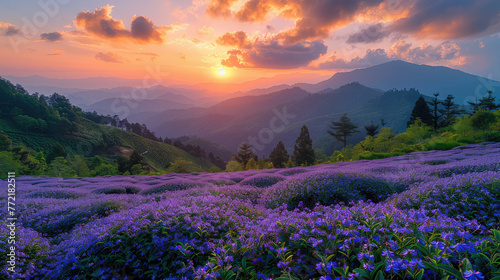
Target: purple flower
473,275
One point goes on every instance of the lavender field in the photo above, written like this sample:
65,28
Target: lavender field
424,215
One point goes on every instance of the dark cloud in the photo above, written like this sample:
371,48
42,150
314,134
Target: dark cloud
7,29
399,51
451,19
313,19
269,28
12,30
51,37
101,24
371,34
271,53
108,57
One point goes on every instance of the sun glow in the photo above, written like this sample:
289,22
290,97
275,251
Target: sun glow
222,72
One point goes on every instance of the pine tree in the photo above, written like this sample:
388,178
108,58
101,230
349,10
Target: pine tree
422,111
435,111
450,111
245,154
487,103
343,129
279,156
371,129
303,152
475,106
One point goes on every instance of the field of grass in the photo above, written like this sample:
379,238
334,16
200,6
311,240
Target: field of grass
423,215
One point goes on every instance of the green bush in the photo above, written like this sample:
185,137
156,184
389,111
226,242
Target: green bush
168,187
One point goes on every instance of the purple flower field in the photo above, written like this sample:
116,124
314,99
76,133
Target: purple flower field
424,215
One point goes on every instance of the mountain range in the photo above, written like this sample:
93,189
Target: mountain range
231,118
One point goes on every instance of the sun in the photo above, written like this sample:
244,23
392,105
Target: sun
222,72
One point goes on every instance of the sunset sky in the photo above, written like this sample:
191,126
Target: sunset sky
197,41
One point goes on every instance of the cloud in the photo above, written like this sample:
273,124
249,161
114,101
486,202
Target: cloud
372,57
205,31
220,8
55,52
147,53
237,39
7,29
316,19
313,19
108,57
271,53
51,37
101,24
424,53
399,51
450,19
370,34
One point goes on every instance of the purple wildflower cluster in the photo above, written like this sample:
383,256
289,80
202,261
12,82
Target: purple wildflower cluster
425,215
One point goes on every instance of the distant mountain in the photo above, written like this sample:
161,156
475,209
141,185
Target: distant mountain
234,121
109,106
399,74
152,93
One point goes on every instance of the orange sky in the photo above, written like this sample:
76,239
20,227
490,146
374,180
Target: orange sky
190,42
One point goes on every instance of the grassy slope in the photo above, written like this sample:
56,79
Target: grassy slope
91,134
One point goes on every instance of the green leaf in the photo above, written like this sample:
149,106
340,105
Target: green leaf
451,270
466,265
419,275
380,276
362,273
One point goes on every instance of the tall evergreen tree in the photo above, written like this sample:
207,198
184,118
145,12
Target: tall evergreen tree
434,103
475,106
371,129
343,129
450,111
422,111
303,152
245,154
487,103
279,156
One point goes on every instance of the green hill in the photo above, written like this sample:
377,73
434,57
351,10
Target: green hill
39,123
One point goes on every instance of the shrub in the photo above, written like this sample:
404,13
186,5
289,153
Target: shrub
262,181
221,182
328,189
293,171
55,194
170,186
111,190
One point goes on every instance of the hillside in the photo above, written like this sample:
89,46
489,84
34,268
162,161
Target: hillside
314,110
31,128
